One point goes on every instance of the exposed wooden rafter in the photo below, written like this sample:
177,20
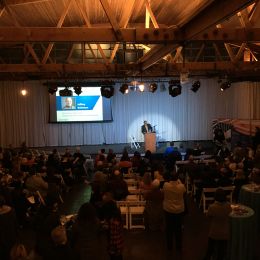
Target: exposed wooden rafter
137,35
209,16
158,69
59,24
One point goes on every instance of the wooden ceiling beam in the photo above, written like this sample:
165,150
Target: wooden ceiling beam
101,67
138,35
211,15
112,19
27,45
88,24
24,2
59,24
151,14
123,24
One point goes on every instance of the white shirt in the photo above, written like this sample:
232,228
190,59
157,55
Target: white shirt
173,196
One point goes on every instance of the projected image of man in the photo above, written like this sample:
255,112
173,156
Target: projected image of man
69,103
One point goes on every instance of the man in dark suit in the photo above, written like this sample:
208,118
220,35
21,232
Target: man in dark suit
146,128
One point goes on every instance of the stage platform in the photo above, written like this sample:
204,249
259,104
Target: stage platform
207,146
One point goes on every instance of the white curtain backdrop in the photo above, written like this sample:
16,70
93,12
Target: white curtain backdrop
186,117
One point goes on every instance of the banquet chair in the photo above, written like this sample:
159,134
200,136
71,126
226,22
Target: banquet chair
123,206
136,213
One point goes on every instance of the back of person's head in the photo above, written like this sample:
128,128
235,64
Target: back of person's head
174,175
18,252
87,213
156,184
171,143
111,210
147,178
59,236
103,150
220,195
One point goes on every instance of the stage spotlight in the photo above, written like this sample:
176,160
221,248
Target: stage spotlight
107,91
225,85
77,90
141,87
153,87
195,86
66,92
52,89
174,88
124,88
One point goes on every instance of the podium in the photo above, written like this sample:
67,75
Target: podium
150,142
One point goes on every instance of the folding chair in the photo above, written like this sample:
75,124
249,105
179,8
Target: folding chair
134,144
123,206
136,213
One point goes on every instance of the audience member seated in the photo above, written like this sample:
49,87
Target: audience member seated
125,162
136,161
171,155
101,157
99,186
111,157
35,182
77,164
159,174
239,181
8,228
219,227
117,186
54,160
255,175
85,238
224,178
145,184
60,248
153,213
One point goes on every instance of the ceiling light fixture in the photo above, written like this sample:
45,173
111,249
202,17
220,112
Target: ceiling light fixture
225,85
124,89
107,91
66,92
77,90
153,87
195,86
174,88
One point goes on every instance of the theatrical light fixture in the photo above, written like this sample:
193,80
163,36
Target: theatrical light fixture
52,89
141,87
107,91
153,87
77,90
225,85
195,86
174,88
66,92
124,88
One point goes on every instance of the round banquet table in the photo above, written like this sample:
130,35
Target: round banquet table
242,242
250,196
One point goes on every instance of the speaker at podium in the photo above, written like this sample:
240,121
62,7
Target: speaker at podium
150,142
